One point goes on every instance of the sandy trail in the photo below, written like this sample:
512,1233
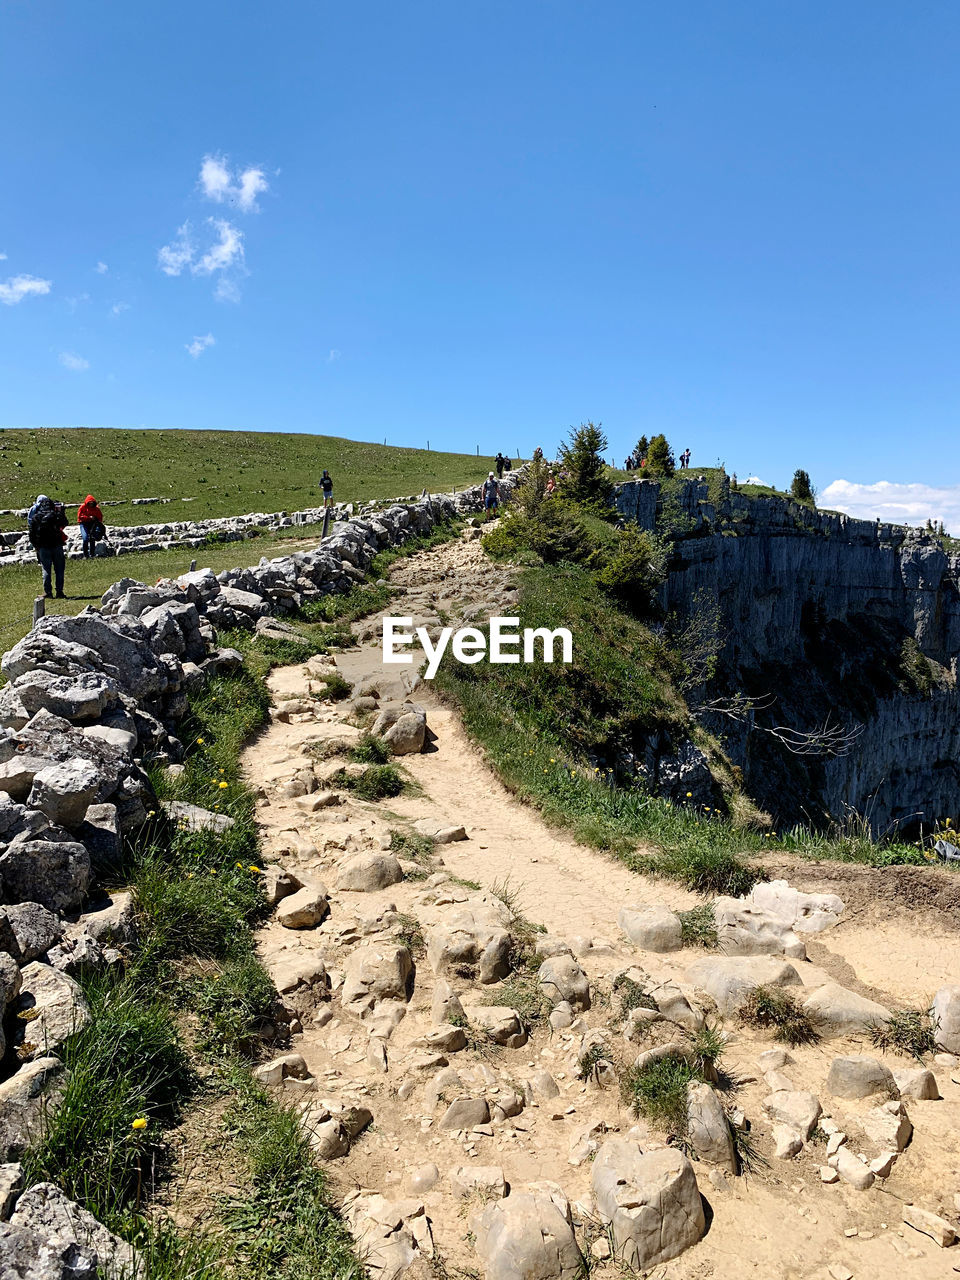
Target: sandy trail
781,1221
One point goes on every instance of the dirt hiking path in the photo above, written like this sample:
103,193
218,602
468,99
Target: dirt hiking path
386,1055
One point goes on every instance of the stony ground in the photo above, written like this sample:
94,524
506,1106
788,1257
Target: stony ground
403,967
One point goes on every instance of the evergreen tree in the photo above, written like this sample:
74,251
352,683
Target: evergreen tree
800,487
660,461
643,444
582,459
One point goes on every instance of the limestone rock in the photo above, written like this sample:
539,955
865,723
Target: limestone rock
651,1200
796,1108
835,1011
64,791
526,1237
369,871
393,1236
445,1006
464,1113
55,873
24,1255
787,1143
945,1015
937,1228
50,1008
860,1076
192,817
561,978
11,1181
917,1082
728,980
376,973
57,1220
305,908
278,883
485,1180
24,1099
852,1170
502,1025
707,1127
888,1126
35,930
652,927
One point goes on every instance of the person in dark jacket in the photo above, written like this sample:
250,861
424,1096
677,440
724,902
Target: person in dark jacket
46,521
326,486
92,528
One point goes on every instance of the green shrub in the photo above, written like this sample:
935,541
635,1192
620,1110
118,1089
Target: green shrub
698,926
634,568
335,687
658,1092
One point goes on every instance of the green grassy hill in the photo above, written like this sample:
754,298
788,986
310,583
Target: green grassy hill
222,472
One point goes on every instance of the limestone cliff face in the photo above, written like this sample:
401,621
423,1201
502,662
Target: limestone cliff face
815,608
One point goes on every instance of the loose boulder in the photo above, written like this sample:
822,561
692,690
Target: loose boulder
527,1237
945,1015
651,1200
728,980
859,1077
653,928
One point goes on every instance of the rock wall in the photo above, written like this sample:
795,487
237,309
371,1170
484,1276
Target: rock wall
815,607
89,701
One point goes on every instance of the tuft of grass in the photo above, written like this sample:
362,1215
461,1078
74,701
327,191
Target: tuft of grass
411,844
698,927
907,1031
377,782
587,1061
776,1009
658,1092
410,935
369,749
631,995
523,993
335,687
231,1005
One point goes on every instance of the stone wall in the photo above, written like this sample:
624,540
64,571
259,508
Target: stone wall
90,701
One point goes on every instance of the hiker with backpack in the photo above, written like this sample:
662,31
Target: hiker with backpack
491,495
499,461
46,521
92,527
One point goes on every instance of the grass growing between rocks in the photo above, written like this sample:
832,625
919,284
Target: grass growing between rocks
909,1032
175,1032
774,1009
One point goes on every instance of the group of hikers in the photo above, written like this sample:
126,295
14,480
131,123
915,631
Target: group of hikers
46,523
636,461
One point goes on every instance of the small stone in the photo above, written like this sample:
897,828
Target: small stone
601,1248
787,1142
828,1175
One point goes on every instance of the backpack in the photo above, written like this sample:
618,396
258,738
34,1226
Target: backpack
47,523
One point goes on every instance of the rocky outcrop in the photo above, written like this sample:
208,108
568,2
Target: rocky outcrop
815,607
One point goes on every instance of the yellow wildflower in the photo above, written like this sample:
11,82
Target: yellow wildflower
223,785
139,1123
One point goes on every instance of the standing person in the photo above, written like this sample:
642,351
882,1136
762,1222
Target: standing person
491,494
92,527
46,521
326,484
498,463
507,464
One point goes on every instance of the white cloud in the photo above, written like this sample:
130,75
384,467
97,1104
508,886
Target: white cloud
199,345
19,287
225,253
218,184
334,355
101,268
70,360
3,257
895,503
77,301
176,255
227,290
118,308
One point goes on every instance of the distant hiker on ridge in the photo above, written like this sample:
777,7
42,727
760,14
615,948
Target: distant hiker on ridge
498,463
92,527
491,494
326,484
46,521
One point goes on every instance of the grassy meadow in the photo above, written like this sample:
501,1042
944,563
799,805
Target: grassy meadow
213,473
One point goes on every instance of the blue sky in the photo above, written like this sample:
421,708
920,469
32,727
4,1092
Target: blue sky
478,223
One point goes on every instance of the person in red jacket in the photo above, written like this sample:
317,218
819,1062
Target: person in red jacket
92,528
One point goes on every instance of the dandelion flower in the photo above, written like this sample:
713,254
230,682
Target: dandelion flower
200,742
139,1123
689,794
257,870
223,785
